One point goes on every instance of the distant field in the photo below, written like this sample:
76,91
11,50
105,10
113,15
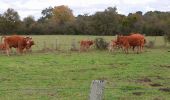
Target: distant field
67,75
66,40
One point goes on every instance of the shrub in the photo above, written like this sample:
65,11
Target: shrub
100,44
151,44
166,39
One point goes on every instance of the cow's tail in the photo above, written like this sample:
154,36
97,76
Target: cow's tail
3,37
144,41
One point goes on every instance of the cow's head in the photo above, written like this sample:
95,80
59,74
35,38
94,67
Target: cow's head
119,37
29,42
90,42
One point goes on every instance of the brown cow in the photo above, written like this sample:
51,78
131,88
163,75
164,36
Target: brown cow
133,40
16,41
141,42
85,44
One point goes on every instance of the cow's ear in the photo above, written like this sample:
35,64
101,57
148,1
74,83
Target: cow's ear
25,38
30,38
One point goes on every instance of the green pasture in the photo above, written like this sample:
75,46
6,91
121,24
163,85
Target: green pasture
67,75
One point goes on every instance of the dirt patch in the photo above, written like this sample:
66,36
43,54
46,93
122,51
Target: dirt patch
111,66
123,64
83,70
138,93
145,79
158,98
74,49
159,77
165,89
102,78
5,79
166,66
47,50
44,50
155,85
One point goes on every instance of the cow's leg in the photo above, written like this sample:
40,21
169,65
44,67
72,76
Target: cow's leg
7,52
24,51
133,48
86,49
121,48
138,49
7,49
142,48
19,51
110,49
81,48
127,51
126,46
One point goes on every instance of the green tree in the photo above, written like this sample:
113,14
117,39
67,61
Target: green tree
107,22
47,13
28,21
11,21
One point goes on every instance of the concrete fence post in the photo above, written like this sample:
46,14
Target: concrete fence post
97,90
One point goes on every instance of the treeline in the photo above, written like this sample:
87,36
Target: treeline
60,20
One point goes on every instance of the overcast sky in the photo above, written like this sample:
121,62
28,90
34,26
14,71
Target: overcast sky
34,7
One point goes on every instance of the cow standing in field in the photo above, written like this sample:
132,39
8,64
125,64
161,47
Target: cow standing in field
133,40
141,43
85,45
18,42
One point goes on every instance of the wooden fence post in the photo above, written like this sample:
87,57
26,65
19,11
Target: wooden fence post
44,45
73,45
97,89
56,44
52,46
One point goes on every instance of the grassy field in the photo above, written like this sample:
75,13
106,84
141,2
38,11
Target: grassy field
67,75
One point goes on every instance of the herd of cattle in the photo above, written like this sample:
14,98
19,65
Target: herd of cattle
24,44
134,40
